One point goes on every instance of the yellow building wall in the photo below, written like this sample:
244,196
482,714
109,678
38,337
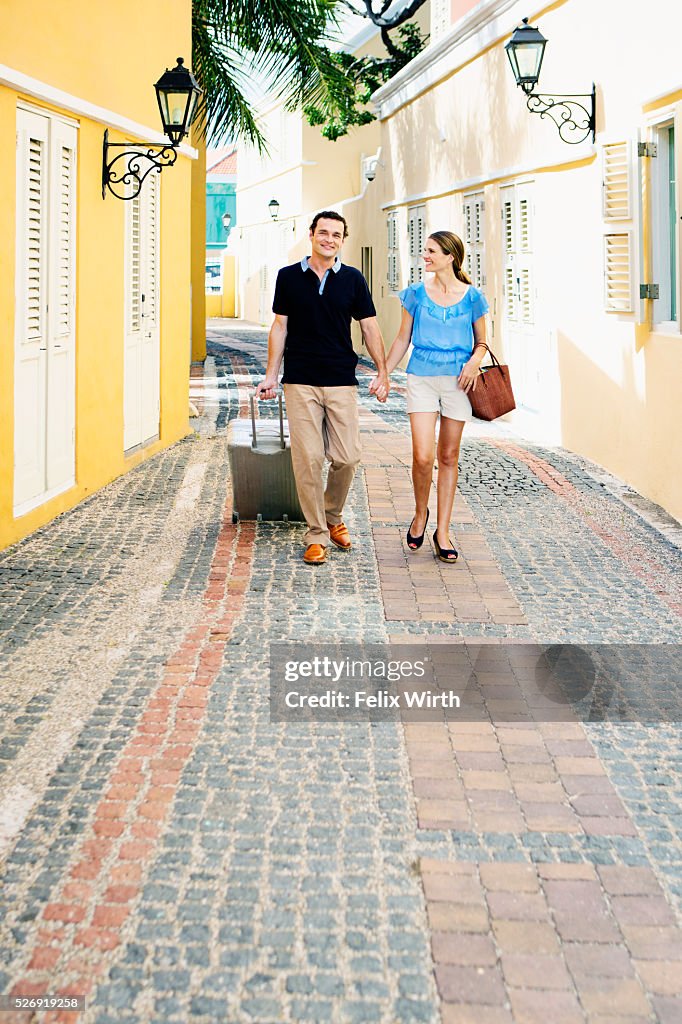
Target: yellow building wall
108,55
81,53
198,261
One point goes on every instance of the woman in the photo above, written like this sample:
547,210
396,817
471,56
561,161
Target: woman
444,318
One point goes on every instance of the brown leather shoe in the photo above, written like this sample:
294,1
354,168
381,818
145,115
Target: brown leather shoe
340,536
315,554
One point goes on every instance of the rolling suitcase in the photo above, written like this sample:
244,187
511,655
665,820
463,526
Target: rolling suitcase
263,485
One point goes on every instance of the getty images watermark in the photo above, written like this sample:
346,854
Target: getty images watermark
475,682
378,673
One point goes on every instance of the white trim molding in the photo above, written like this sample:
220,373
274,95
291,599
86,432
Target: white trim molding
501,175
661,96
489,22
276,174
38,90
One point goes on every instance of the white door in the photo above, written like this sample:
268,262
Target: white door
142,366
44,378
520,332
264,297
61,363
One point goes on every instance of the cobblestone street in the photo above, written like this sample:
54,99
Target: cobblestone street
174,856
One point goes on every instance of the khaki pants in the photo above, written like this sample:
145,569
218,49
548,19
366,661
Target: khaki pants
323,423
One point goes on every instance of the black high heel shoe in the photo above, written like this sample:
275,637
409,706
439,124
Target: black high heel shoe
414,543
445,554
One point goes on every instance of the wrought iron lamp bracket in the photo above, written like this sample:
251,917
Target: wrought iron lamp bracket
573,120
125,174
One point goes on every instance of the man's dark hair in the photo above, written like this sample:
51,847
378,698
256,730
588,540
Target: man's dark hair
329,215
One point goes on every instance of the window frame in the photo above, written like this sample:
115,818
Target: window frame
664,231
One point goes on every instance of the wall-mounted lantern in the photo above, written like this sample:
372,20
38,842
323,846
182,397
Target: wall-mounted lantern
273,207
575,122
177,93
227,220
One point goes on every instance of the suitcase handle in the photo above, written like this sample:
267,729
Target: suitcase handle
282,442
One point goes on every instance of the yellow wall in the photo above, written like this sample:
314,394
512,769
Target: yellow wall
94,56
198,270
109,55
7,235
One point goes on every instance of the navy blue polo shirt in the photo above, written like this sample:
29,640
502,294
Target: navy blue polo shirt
318,348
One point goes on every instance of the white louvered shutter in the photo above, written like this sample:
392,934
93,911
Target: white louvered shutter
264,300
616,181
30,373
474,238
618,246
509,233
519,315
618,273
150,354
142,319
61,383
132,430
524,256
393,269
416,227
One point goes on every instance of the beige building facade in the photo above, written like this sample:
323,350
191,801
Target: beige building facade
576,246
302,173
562,238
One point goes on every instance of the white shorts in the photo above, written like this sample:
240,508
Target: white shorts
438,394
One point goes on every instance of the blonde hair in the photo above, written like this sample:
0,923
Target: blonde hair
452,245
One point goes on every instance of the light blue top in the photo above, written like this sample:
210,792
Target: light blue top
442,336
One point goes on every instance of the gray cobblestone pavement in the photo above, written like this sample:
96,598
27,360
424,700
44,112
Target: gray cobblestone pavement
284,884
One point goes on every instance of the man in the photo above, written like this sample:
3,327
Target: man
313,305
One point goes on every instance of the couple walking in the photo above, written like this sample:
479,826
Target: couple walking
443,318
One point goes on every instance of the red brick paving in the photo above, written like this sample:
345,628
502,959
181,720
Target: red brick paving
519,943
96,901
637,557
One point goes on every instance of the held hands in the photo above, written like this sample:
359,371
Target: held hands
267,388
380,387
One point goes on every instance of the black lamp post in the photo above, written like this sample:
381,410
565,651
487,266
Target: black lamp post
273,207
575,122
525,50
177,93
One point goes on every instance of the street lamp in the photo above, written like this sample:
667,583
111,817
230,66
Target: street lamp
177,93
525,50
273,207
575,122
227,220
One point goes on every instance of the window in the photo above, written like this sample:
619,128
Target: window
214,274
616,181
617,273
393,269
617,213
664,224
416,228
474,238
366,265
440,18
